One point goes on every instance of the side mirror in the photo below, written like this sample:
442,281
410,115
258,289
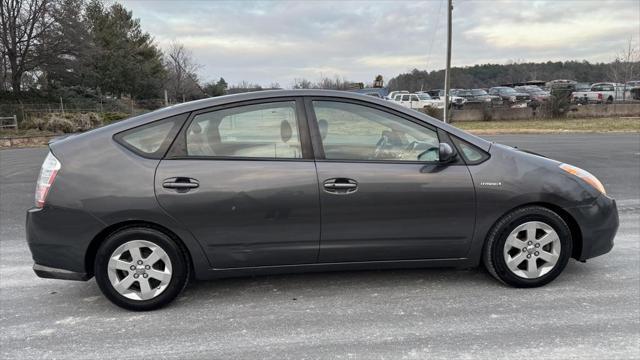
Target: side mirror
446,153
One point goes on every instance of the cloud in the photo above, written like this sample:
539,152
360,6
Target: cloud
271,41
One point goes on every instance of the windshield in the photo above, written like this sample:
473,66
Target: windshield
602,87
478,92
424,97
506,90
464,93
530,89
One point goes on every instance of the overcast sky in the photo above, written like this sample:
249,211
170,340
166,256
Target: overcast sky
265,42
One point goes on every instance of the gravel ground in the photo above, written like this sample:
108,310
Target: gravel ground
592,311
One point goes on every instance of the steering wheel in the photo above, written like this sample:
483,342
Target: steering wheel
381,145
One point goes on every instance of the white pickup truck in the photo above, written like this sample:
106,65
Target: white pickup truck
417,101
606,92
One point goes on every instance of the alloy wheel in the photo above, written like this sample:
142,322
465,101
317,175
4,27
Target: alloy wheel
139,270
532,249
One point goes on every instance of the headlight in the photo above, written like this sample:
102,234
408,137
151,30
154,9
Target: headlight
584,175
512,98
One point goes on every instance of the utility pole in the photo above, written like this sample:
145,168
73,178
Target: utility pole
447,71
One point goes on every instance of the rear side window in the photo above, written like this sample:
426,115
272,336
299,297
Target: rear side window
268,130
153,139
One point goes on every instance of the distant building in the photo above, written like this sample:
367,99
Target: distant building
378,89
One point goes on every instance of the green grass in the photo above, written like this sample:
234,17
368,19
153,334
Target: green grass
552,125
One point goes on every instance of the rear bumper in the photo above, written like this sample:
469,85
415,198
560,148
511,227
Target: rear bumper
58,239
598,225
53,273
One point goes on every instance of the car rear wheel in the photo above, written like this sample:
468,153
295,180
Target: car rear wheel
141,268
528,247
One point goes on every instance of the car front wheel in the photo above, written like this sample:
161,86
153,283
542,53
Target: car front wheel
528,247
141,268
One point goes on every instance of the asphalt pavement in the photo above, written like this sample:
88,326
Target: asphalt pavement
592,311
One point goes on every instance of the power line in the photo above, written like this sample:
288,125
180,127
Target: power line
434,33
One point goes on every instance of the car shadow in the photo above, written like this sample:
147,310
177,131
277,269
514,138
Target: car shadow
294,287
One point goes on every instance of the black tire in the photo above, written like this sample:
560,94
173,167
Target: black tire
493,257
179,263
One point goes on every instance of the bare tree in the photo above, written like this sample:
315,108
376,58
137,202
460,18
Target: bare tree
626,64
4,68
23,24
182,79
337,83
301,84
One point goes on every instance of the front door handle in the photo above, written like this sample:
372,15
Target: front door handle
340,186
180,183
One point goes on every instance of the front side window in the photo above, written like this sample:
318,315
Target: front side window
355,132
405,97
256,131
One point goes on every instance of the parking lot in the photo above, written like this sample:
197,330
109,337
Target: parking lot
591,311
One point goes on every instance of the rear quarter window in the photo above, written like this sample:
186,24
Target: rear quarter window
151,140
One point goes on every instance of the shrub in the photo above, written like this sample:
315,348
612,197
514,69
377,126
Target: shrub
487,112
59,124
559,106
433,112
67,123
110,117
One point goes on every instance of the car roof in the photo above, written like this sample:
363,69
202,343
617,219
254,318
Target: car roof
202,104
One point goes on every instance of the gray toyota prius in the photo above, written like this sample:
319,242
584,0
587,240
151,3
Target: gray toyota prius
297,181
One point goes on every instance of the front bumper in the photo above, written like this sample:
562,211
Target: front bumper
598,224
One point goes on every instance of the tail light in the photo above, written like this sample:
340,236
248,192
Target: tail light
48,172
600,96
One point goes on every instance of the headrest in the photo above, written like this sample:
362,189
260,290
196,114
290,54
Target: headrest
285,131
323,126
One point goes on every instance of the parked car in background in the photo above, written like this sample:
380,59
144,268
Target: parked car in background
417,101
380,92
510,96
478,96
536,93
297,181
393,94
604,92
454,101
632,90
582,86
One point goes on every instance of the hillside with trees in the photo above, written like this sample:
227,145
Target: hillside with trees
487,75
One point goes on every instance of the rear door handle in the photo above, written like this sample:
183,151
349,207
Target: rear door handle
180,183
340,186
